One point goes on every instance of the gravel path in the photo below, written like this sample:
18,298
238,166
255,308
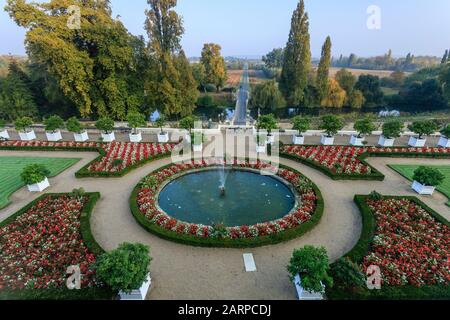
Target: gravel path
184,272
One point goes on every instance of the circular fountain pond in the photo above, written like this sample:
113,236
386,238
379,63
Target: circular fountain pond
249,198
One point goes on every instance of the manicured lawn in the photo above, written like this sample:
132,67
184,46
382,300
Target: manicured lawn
11,168
408,172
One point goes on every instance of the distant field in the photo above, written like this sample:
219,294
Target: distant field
255,77
358,72
12,167
408,172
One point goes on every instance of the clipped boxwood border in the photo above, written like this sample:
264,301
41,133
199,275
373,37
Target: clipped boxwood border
361,249
89,241
375,175
230,243
84,172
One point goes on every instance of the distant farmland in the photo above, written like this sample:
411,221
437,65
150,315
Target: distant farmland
255,77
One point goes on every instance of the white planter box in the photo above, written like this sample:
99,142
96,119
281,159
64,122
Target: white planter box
270,139
108,137
384,142
4,134
444,142
260,149
422,189
136,137
198,147
27,136
416,142
39,187
303,294
357,142
299,140
54,136
327,141
81,137
138,294
163,137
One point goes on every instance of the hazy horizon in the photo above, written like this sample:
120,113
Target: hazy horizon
254,27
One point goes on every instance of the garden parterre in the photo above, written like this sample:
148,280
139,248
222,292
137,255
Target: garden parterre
39,245
347,161
410,246
116,157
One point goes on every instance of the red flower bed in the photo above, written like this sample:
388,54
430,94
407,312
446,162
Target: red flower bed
410,246
38,246
345,159
147,204
129,153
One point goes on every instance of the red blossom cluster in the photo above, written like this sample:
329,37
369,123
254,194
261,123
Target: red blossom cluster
147,203
410,246
37,248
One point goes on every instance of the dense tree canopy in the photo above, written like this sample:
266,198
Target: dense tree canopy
274,59
267,96
370,87
323,72
214,64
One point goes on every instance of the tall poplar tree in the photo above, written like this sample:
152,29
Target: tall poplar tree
297,58
323,72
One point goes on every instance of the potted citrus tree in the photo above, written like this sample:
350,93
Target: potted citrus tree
79,132
126,270
136,120
53,126
188,124
163,136
268,123
308,269
423,129
331,124
23,125
301,125
106,126
35,177
426,180
3,132
363,127
444,141
391,131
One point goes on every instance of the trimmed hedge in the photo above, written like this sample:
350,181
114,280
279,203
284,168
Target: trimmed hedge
362,248
88,239
229,243
375,175
84,172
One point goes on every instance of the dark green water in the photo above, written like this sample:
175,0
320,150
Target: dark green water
250,198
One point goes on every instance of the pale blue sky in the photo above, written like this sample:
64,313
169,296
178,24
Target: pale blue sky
254,27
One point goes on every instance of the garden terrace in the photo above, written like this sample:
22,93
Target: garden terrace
303,218
409,242
41,241
116,159
348,163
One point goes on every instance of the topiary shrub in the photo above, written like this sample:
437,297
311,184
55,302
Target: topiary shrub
428,176
161,122
331,124
53,123
347,273
105,124
22,124
424,128
301,124
34,173
392,129
312,265
364,127
124,269
187,123
375,196
136,120
267,122
74,126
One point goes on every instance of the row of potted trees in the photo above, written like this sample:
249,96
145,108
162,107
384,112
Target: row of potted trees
54,125
332,124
